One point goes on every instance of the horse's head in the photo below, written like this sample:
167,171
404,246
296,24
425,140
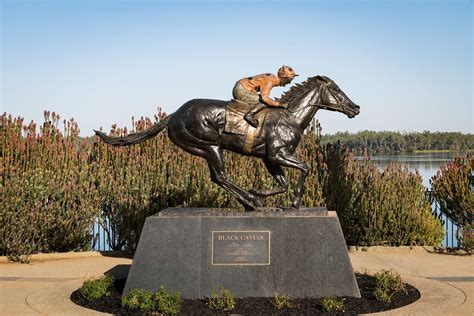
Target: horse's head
332,98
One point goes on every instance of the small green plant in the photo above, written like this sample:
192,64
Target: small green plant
167,303
222,299
388,282
96,288
281,301
19,258
138,299
332,304
162,301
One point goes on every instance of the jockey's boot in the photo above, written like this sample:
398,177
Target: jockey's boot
249,117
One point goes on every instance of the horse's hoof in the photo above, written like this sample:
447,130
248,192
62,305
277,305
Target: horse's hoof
249,208
258,203
255,200
295,206
253,205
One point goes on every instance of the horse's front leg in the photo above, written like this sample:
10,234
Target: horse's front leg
286,159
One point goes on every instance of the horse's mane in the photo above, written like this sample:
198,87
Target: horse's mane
299,89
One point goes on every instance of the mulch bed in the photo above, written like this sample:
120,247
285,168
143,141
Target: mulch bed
262,305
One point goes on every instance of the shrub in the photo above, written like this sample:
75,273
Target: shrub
465,237
138,299
332,304
96,288
453,188
54,185
378,207
387,283
167,303
49,199
162,301
221,299
281,301
382,295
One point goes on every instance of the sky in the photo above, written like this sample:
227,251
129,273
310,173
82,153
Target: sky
408,64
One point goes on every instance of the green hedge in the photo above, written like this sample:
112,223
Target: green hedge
453,188
54,185
378,207
49,194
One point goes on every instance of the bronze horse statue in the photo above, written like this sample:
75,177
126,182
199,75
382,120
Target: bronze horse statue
198,127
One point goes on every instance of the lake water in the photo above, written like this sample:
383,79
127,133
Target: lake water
427,164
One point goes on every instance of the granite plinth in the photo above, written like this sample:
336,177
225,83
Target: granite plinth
193,250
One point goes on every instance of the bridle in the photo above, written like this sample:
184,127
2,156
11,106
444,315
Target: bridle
341,105
318,102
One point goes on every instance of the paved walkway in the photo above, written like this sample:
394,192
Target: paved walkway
446,282
43,287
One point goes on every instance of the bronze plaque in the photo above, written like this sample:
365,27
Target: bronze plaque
240,247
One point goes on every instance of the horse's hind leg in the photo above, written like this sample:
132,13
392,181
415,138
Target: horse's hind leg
279,175
215,160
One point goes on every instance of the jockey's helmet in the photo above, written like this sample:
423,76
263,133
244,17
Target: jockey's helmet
286,72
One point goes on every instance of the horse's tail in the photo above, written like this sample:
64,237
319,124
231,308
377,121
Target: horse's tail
137,137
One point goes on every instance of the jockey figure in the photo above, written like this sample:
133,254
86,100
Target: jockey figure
247,89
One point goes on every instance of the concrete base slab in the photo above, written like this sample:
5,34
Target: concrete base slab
443,280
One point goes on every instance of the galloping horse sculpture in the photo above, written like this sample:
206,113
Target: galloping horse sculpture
198,127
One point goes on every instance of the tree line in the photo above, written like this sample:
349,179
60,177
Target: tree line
396,142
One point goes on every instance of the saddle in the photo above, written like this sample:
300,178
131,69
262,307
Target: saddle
236,124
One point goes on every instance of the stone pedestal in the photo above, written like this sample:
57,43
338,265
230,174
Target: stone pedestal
298,253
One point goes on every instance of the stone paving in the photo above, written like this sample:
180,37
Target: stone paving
43,286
